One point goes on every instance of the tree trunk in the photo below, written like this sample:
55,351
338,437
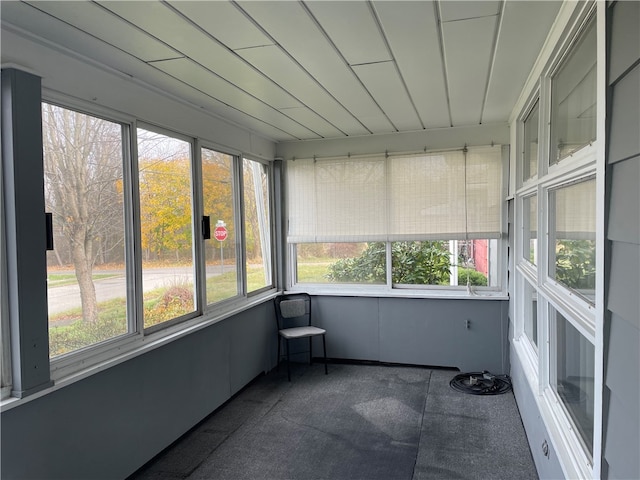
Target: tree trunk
84,271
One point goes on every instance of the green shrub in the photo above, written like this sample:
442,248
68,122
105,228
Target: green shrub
414,263
476,279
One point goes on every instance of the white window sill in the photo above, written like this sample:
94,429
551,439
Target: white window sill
383,291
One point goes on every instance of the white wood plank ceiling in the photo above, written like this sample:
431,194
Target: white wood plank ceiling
315,69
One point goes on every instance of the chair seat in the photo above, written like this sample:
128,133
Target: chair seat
301,332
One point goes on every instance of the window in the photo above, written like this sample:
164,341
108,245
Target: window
404,220
218,204
86,272
257,225
572,231
573,99
573,376
530,144
530,228
166,227
559,319
342,262
531,313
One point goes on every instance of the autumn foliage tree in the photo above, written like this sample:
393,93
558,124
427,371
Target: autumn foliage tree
165,207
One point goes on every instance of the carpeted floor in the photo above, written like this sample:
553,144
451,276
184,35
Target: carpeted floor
359,422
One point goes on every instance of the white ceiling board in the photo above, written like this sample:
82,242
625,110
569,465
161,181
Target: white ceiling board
273,62
353,30
164,24
223,21
313,121
102,24
72,77
408,25
515,58
288,23
467,48
299,69
459,10
382,80
201,79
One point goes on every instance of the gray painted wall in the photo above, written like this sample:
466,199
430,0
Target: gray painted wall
416,331
110,424
622,322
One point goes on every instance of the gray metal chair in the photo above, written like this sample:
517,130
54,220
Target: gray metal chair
293,314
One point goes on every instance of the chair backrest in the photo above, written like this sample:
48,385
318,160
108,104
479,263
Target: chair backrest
293,310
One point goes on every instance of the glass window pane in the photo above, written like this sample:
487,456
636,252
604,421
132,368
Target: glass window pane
257,225
341,263
220,250
531,313
573,99
572,245
166,220
86,279
530,152
574,376
530,228
448,262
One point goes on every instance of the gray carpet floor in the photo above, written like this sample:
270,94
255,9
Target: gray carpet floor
359,422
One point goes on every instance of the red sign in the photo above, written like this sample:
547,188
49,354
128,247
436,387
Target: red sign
220,233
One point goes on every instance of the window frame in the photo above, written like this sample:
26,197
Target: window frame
73,366
586,318
236,188
270,224
81,355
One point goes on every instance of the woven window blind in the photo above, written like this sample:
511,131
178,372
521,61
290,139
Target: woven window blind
444,196
574,207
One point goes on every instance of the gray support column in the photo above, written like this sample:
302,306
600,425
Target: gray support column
26,231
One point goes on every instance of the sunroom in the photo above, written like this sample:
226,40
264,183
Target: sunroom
454,183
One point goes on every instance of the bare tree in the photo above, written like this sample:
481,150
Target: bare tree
83,176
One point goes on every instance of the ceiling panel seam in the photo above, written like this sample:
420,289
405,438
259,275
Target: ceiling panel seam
492,60
436,7
216,74
395,63
344,60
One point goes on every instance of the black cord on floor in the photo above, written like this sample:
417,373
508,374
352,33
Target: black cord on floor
481,383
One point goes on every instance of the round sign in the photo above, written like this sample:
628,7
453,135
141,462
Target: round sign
220,233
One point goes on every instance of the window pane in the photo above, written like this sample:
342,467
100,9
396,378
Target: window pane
572,245
573,99
449,262
341,263
530,228
257,225
220,250
166,220
530,152
83,178
574,376
531,312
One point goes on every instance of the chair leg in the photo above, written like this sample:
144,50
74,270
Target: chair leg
278,359
288,362
310,351
324,346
